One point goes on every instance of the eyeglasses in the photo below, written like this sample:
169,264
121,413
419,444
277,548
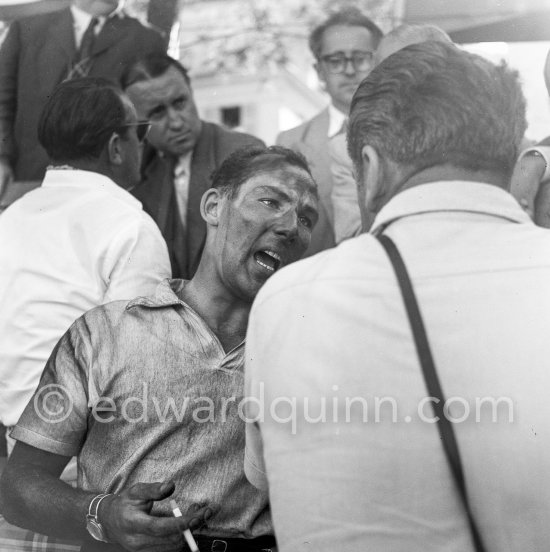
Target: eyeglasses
142,128
337,63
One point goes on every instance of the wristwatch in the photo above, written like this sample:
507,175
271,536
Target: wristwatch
92,523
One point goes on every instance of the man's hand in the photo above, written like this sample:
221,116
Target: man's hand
526,187
6,175
127,520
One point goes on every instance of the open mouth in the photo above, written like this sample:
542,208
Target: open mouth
268,259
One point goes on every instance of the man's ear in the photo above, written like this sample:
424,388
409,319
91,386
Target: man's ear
370,185
211,206
114,149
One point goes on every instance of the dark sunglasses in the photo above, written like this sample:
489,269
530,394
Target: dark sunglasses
142,128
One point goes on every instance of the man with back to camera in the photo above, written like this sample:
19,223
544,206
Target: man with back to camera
433,134
184,342
90,38
78,241
181,154
343,47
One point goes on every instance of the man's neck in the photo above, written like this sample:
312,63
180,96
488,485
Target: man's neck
226,316
450,172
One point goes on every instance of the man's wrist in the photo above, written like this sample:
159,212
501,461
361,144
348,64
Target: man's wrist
94,524
103,513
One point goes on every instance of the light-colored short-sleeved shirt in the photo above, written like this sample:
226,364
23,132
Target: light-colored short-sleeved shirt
146,393
329,335
75,243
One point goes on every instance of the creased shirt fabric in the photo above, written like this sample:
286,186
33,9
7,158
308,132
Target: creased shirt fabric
166,399
75,243
334,328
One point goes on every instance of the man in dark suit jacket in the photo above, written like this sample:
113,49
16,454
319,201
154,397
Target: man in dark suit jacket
38,53
182,153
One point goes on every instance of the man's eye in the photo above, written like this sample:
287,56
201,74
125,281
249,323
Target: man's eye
156,115
306,221
269,202
179,103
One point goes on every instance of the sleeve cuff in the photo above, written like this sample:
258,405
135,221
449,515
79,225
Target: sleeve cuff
42,442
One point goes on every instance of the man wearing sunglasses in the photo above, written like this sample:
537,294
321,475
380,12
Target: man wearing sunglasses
78,241
343,47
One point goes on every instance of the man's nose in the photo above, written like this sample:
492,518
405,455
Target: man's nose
287,225
349,68
176,118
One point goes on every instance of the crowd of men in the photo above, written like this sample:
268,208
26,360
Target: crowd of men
390,392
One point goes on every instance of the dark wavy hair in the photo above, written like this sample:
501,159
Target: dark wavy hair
248,161
79,118
150,67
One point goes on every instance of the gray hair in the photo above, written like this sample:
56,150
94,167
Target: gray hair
431,103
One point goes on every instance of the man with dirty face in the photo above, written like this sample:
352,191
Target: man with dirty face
175,351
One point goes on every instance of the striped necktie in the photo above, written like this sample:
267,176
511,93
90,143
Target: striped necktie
82,62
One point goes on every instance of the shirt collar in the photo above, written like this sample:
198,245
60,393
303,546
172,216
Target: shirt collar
78,179
166,295
451,196
336,119
82,19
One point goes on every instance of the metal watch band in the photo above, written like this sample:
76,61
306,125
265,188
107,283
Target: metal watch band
94,505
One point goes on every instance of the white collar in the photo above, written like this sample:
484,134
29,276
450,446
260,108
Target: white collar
449,196
335,120
79,179
82,19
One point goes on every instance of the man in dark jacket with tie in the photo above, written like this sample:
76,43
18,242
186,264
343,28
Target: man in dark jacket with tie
91,37
181,154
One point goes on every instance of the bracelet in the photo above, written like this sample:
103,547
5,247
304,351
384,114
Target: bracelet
539,151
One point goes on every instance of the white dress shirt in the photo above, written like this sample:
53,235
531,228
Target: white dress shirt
182,175
75,243
336,120
334,326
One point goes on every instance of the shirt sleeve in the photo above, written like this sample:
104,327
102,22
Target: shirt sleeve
254,467
55,419
137,261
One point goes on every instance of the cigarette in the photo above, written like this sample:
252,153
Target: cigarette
186,533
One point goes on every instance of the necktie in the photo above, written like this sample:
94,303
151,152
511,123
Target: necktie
88,39
83,59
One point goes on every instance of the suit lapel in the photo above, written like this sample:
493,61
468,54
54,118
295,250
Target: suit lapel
58,50
201,165
110,34
62,34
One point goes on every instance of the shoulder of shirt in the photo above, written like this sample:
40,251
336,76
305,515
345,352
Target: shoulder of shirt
329,265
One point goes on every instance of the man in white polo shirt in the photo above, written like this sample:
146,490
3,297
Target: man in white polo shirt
78,241
352,453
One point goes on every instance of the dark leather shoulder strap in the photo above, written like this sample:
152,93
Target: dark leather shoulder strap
431,379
